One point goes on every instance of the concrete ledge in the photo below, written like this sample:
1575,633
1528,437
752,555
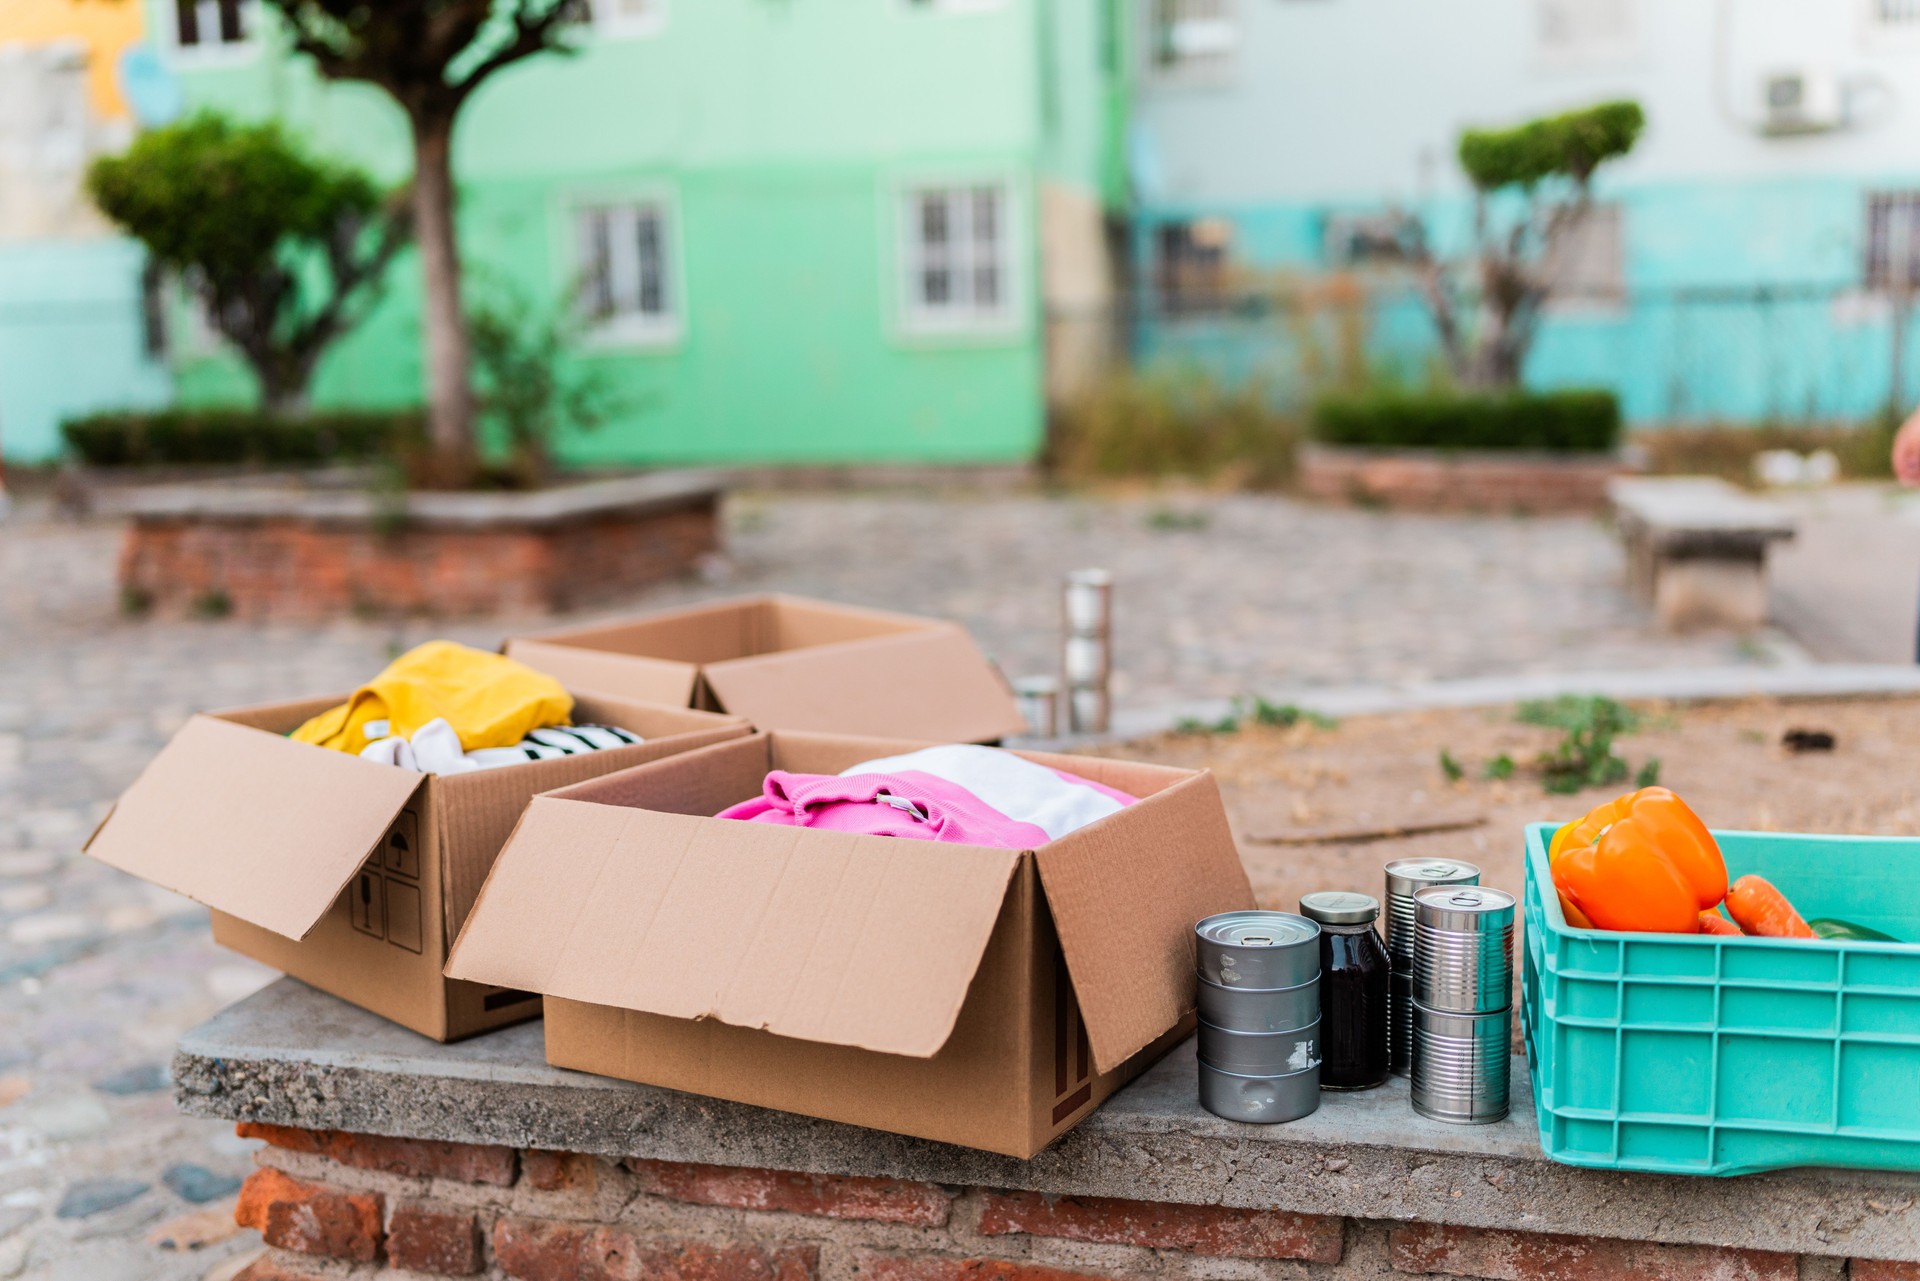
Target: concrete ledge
292,1056
625,496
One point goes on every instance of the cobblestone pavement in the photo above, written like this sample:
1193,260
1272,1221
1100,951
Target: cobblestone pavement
99,973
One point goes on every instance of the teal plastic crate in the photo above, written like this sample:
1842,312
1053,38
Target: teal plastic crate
1695,1054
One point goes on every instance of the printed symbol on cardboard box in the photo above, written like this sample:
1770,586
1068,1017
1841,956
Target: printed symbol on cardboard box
1072,1055
366,902
403,845
403,916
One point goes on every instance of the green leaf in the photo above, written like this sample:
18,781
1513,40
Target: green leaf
1649,775
1450,767
1500,766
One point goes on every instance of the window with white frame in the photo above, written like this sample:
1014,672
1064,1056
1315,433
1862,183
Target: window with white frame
1893,241
1586,260
622,17
1192,37
1891,26
623,256
1585,30
957,256
1899,15
206,25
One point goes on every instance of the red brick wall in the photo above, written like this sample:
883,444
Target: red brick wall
1478,482
333,1205
299,570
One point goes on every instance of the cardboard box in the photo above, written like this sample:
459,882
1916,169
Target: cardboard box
351,875
985,997
787,663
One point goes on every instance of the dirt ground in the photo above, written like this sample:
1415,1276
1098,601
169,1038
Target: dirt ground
1725,759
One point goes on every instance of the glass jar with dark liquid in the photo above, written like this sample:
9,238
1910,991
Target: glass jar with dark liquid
1353,990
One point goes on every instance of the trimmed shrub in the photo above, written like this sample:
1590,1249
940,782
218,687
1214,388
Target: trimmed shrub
1555,421
241,437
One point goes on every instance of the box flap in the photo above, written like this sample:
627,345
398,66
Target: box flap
931,683
253,824
862,941
651,680
1125,893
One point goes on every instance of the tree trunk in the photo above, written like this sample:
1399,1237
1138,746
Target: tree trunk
449,393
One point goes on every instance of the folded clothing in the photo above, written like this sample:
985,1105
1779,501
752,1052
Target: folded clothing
434,748
961,793
488,700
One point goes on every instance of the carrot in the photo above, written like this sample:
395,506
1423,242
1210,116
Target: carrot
1713,923
1762,910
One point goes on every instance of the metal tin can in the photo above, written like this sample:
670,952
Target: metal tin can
1463,948
1400,1023
1258,949
1088,660
1090,709
1039,701
1262,1100
1252,1009
1461,1065
1086,600
1261,1053
1404,877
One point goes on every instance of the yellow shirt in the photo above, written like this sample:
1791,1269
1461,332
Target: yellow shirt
489,699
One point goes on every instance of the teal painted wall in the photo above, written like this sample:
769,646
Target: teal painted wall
70,339
780,133
1743,302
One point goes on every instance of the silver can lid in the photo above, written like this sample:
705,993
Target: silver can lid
1257,929
1339,907
1405,875
1472,906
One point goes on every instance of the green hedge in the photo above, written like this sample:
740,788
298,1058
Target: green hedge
1558,421
213,437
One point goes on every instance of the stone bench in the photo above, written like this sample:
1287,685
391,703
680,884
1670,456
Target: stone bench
1697,548
407,1157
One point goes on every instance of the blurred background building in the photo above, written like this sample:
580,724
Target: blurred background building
1750,261
898,230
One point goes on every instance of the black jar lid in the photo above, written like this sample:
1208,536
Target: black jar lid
1339,907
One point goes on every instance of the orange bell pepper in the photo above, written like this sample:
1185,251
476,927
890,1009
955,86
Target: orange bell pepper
1644,863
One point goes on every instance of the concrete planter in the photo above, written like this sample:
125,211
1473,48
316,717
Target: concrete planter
1458,480
284,549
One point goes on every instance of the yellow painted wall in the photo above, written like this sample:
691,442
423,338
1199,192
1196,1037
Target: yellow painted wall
106,27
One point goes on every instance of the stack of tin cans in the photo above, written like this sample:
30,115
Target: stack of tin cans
1086,600
1462,1002
1405,877
1259,990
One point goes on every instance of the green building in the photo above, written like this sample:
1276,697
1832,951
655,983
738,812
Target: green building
864,231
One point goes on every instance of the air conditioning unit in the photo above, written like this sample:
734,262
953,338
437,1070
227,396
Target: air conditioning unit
1801,100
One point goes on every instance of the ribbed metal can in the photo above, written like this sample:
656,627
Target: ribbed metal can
1086,602
1461,1065
1261,1053
1039,700
1400,1022
1262,1100
1253,1009
1463,948
1405,877
1267,950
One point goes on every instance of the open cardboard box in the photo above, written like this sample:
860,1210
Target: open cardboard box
985,997
788,663
351,875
